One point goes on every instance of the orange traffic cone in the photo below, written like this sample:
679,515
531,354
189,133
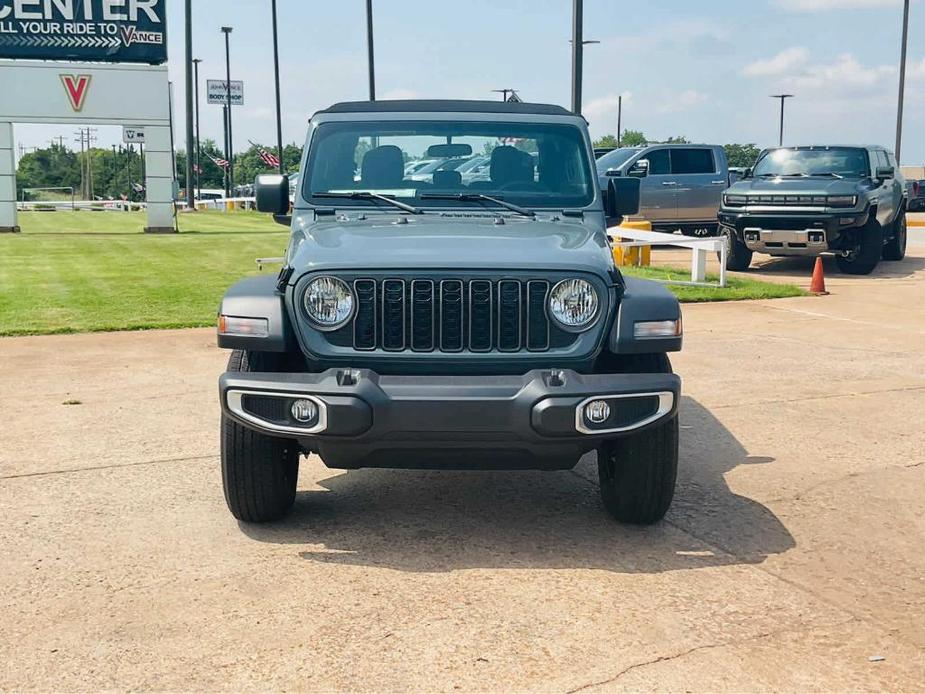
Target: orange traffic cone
817,286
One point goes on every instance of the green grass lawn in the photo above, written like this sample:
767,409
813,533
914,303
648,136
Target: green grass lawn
737,289
92,271
89,271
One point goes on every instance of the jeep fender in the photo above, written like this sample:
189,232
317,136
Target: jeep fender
257,297
644,300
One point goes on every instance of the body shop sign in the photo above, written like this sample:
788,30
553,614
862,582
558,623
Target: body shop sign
124,31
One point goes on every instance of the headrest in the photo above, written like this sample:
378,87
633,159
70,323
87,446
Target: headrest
383,167
510,165
447,179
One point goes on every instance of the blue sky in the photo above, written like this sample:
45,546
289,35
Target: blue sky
700,69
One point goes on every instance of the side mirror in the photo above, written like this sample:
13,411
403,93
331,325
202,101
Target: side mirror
622,198
640,169
612,173
272,193
885,172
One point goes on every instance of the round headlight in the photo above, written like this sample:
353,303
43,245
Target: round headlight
573,304
328,302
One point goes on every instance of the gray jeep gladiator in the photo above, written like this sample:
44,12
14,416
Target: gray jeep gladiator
434,324
846,200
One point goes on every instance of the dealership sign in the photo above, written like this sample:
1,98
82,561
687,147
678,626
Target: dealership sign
218,94
125,31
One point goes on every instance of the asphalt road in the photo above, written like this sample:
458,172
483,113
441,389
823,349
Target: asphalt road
791,559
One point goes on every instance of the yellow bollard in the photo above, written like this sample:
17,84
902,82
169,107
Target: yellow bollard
229,206
636,255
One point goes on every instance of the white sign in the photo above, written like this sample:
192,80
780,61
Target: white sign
218,94
133,136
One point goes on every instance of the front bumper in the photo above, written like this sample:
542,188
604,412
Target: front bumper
533,421
793,232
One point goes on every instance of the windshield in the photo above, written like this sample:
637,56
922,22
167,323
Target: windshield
526,164
616,158
817,161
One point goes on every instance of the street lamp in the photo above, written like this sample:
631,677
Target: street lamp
279,113
902,83
369,50
230,154
198,170
783,98
505,92
190,203
578,44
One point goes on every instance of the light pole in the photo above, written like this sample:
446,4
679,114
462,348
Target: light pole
619,120
190,202
369,50
230,154
902,83
279,112
577,53
198,171
783,98
505,92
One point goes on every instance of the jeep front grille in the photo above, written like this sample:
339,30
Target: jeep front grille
451,315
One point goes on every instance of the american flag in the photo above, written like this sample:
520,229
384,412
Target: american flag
220,163
270,160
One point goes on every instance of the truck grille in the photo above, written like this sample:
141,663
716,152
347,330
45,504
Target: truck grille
451,315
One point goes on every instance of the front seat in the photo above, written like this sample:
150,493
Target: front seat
507,166
447,180
383,168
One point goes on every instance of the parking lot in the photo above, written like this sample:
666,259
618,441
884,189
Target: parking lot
791,559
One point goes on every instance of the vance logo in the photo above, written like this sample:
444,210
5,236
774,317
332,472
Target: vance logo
76,87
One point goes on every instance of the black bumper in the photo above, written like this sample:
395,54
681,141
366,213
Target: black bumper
833,226
533,421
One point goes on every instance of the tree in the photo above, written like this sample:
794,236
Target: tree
676,140
607,141
633,138
741,155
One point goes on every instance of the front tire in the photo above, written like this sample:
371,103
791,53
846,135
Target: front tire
638,473
738,256
259,472
868,251
895,249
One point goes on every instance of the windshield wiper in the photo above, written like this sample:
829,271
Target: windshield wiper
523,211
367,195
830,174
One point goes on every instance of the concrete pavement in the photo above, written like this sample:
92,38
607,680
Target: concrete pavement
791,557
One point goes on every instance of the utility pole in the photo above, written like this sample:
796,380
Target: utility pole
83,164
188,64
783,98
369,50
619,120
198,171
902,83
230,186
577,53
279,110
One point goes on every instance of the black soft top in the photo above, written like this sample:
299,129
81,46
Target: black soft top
445,106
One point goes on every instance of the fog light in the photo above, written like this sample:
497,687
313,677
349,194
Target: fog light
304,411
597,411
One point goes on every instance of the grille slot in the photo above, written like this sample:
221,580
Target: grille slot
451,315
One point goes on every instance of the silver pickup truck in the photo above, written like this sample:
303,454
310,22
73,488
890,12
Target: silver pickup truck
681,185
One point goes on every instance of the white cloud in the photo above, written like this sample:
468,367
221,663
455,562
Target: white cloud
844,73
782,63
916,70
823,5
602,111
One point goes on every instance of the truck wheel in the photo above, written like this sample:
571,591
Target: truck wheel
738,256
637,473
866,254
259,472
895,249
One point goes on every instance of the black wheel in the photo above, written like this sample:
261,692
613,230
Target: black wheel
259,472
867,251
637,473
738,256
701,232
895,249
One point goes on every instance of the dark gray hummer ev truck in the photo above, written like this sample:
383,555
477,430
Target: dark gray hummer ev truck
433,324
850,201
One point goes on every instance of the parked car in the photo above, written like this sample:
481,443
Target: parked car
681,184
916,196
841,199
413,327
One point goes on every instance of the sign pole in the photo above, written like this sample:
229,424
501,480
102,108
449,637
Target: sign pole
227,31
198,141
190,202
